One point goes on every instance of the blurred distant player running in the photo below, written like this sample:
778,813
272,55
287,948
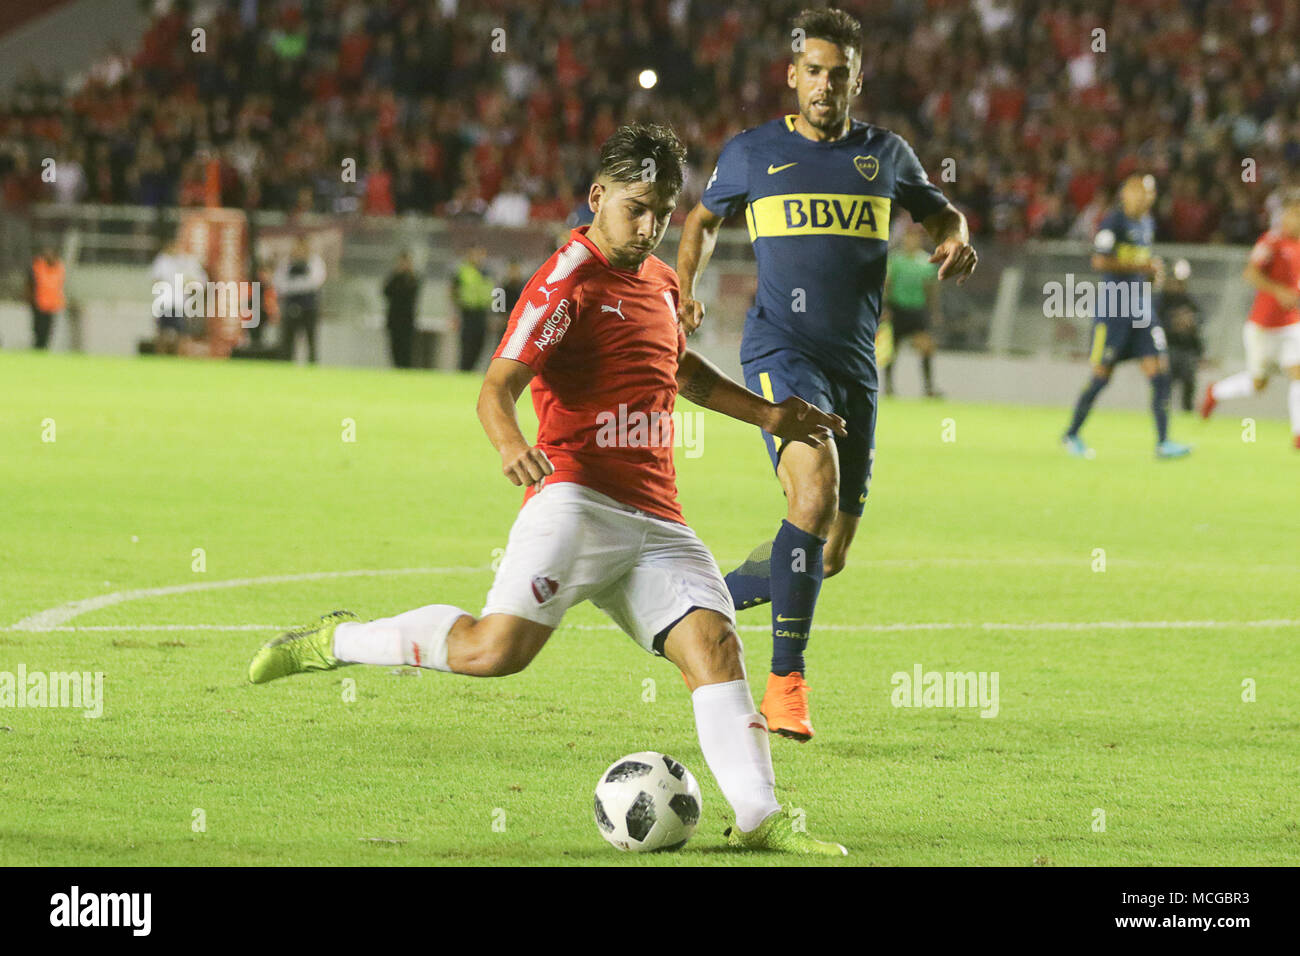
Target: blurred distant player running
596,333
1124,325
818,189
1272,330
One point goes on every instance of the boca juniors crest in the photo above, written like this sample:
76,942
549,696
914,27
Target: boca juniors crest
868,166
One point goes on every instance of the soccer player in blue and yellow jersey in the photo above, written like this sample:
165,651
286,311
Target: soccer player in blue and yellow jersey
1124,325
818,189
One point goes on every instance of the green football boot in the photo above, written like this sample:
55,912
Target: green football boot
309,648
779,832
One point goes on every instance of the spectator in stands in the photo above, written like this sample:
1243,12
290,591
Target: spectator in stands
70,178
1026,110
510,207
1240,225
45,294
472,293
402,291
1050,219
298,283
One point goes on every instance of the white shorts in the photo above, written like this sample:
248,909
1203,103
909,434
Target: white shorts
1266,348
571,544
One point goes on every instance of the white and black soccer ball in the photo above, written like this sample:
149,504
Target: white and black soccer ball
647,801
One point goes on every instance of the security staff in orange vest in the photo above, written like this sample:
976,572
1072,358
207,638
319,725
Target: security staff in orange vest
45,292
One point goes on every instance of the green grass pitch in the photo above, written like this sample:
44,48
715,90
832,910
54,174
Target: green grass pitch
1121,691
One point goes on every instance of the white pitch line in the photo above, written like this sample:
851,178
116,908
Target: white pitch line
874,628
1126,625
56,619
127,628
45,620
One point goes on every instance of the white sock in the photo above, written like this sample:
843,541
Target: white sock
1234,386
1293,405
416,638
733,737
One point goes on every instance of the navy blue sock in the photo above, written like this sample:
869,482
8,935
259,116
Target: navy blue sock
1084,405
1160,389
796,580
751,583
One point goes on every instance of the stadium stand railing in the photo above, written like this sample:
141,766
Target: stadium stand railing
1000,310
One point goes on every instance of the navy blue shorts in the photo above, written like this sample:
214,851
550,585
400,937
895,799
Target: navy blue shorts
785,372
1114,340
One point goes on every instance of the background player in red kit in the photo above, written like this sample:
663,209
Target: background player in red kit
596,334
1272,330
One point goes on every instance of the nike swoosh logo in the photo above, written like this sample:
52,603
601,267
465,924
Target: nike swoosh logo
776,169
784,619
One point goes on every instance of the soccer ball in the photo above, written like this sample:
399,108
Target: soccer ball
647,801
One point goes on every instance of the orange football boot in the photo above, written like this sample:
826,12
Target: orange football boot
785,705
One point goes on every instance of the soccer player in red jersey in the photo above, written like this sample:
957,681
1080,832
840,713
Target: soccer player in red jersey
1272,330
596,335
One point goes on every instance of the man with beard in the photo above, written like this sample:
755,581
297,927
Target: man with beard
818,189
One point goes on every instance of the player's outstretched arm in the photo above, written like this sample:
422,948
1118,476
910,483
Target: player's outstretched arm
699,236
504,382
703,383
952,248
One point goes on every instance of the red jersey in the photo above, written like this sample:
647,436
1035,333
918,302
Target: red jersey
1278,257
604,344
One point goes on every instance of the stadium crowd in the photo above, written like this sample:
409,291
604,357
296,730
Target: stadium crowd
494,108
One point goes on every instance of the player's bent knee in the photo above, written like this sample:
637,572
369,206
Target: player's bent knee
707,648
719,657
813,514
812,504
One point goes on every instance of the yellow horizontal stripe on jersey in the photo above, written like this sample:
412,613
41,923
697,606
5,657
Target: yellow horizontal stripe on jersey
819,214
1129,254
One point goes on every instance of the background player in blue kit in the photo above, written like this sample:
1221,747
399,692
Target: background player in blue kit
1125,325
818,189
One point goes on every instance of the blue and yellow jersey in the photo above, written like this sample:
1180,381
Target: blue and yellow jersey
818,216
1129,241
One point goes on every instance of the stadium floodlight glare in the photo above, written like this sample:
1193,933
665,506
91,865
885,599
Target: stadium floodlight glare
648,79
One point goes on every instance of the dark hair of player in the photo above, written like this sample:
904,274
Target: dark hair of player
623,157
833,26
